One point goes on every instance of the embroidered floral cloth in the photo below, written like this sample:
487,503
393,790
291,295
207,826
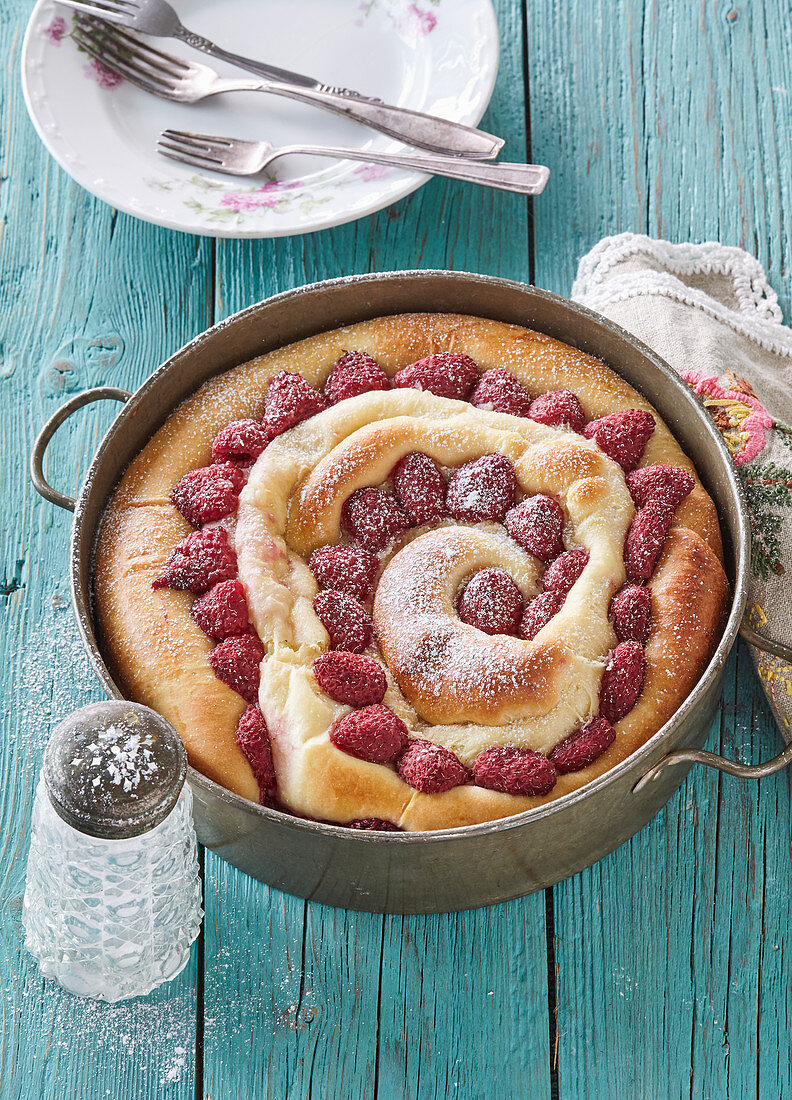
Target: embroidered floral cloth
710,313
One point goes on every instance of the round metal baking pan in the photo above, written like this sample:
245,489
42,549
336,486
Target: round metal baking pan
450,869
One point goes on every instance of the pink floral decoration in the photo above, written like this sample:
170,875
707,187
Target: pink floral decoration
418,20
369,172
56,30
414,22
244,201
103,76
262,198
740,418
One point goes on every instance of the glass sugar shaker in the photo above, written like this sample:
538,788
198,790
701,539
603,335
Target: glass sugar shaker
113,897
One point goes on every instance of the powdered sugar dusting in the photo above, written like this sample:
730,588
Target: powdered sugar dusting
421,638
127,754
341,455
149,1041
455,673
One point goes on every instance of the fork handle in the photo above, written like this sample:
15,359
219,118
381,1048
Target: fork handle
525,179
438,135
260,68
268,72
423,131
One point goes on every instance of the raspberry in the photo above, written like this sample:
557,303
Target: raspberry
583,747
539,612
222,612
482,490
349,569
240,443
631,611
514,771
645,539
668,485
420,488
372,518
492,602
373,733
252,736
353,374
236,662
537,524
430,768
560,408
199,561
350,678
289,400
446,374
374,824
561,574
500,391
345,620
208,494
622,680
622,435
233,473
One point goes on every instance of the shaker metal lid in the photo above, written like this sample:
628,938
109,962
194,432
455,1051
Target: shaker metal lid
114,769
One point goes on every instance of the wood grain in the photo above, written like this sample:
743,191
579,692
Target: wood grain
668,971
86,298
674,120
394,1002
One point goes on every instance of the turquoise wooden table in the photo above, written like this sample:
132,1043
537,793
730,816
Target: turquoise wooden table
662,971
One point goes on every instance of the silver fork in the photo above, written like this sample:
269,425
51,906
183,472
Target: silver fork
246,158
158,18
186,82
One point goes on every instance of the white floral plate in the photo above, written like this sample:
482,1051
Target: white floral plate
439,56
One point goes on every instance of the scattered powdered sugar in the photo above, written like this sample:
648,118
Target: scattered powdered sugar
176,1069
426,645
55,676
149,1041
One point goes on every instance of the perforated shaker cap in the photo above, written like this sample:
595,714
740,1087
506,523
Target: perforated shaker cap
114,769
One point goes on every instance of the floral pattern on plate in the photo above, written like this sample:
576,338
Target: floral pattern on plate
219,205
410,18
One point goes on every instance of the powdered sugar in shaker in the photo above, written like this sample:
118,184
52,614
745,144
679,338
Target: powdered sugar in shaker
113,897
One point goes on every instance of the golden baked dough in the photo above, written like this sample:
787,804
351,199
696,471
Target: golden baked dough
491,690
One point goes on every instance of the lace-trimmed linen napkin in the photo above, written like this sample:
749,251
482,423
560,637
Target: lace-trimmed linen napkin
709,311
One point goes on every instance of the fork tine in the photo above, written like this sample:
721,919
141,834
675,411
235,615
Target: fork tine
174,153
125,8
206,140
185,141
109,44
94,9
114,32
116,58
120,65
116,47
191,150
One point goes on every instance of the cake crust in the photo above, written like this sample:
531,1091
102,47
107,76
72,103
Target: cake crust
160,657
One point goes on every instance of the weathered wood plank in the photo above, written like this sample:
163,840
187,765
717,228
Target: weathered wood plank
334,1005
670,954
673,120
463,1004
85,298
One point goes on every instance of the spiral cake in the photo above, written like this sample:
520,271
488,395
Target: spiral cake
416,573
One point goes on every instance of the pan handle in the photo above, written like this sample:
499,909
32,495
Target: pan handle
87,397
713,759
